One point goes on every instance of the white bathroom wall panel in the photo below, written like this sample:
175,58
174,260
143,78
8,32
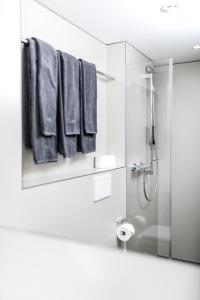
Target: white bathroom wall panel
116,98
10,103
186,163
67,209
142,214
63,208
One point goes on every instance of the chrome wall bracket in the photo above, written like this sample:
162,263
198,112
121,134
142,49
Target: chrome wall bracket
120,220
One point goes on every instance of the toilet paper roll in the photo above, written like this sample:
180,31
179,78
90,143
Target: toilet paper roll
125,231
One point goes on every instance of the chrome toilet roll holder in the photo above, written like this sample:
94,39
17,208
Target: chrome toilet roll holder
120,220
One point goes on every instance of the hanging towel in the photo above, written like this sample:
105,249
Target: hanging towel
42,109
68,105
89,96
70,90
47,68
88,99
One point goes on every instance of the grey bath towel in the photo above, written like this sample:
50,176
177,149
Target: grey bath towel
88,99
42,133
68,121
47,72
70,90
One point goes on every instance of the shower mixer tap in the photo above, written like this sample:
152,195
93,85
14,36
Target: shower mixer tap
141,168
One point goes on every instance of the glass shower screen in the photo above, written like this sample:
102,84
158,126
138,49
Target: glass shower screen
148,145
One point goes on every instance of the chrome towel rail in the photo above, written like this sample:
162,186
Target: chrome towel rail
102,75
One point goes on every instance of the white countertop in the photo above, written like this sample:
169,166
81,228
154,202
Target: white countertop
35,267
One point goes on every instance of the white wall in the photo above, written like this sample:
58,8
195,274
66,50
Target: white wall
64,208
186,163
116,104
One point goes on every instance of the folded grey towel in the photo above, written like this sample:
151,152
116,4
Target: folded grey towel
70,93
67,143
47,68
88,100
44,146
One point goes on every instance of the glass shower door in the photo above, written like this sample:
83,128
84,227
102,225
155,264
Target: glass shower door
148,130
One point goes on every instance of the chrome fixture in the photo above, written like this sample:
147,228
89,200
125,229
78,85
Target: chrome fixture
120,220
102,75
141,168
152,137
148,168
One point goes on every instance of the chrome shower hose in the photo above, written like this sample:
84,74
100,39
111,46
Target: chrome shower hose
147,197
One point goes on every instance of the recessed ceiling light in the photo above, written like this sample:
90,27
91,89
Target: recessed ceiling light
196,47
170,8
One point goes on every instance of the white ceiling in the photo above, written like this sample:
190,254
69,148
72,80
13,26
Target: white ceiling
158,35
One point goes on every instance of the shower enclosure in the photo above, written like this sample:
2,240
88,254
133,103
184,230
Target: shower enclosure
148,130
